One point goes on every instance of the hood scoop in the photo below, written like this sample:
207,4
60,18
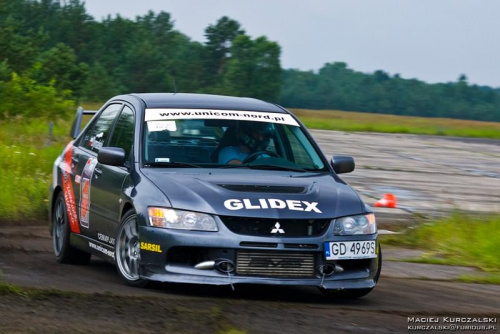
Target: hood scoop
263,189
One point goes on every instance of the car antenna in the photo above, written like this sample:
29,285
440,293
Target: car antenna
175,86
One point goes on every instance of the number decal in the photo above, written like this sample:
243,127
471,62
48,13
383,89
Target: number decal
85,184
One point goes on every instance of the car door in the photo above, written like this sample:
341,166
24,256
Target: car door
107,183
85,158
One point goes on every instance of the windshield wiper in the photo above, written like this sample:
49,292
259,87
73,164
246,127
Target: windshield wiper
171,164
232,166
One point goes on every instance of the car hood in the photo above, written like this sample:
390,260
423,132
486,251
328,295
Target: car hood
251,193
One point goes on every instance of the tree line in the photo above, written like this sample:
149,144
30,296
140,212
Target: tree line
336,86
53,51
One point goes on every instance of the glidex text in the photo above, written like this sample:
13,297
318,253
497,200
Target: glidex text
262,203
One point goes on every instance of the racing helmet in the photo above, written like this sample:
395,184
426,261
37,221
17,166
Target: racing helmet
255,135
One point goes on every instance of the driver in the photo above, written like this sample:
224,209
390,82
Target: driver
252,137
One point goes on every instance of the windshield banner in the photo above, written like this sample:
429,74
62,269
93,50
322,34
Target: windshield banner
256,116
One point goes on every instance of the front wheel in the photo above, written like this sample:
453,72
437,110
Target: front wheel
354,293
128,251
65,253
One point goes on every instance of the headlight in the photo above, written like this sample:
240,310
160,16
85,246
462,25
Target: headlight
182,220
363,224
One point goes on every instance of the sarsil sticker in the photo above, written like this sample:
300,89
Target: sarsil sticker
271,203
151,247
256,116
85,183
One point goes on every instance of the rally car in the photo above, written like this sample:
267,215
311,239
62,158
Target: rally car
207,189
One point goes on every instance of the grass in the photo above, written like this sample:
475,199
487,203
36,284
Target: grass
28,153
460,239
368,122
9,289
488,279
28,148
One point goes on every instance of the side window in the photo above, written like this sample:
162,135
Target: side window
98,133
123,135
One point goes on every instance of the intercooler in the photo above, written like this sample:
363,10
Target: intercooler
275,264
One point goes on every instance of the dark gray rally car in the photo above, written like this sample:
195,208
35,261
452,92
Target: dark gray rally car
211,190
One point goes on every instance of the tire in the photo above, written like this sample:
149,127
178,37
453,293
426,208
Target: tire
64,252
354,293
128,252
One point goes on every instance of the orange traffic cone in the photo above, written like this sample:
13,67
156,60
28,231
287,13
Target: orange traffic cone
388,201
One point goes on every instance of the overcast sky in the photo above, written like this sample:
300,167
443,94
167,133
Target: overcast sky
431,40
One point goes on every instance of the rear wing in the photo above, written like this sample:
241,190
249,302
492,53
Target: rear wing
77,123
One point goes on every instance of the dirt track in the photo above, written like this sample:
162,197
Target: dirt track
93,299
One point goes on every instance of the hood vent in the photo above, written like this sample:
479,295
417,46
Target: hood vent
264,189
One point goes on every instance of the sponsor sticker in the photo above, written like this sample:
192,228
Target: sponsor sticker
106,238
271,203
155,126
151,247
268,117
69,195
102,250
85,183
97,141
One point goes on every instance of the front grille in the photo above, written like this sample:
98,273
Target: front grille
259,244
269,228
275,264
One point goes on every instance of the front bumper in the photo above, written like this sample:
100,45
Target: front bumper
171,256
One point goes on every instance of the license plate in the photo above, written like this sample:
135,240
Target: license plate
345,250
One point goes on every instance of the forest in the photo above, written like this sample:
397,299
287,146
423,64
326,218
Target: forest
54,54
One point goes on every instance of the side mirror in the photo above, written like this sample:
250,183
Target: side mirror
113,156
342,164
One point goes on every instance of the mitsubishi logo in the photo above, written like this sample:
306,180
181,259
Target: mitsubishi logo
277,229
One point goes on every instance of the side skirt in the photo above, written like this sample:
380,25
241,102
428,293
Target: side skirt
93,247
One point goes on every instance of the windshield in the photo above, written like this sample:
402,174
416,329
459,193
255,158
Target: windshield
191,138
